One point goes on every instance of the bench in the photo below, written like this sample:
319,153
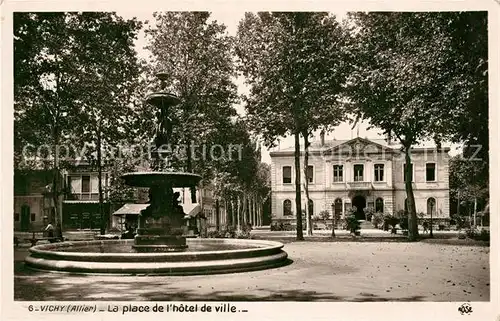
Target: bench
40,236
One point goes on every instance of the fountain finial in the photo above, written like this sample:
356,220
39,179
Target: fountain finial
163,76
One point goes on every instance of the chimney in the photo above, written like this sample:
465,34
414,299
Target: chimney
322,137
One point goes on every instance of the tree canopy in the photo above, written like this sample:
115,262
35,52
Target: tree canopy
195,53
408,78
294,63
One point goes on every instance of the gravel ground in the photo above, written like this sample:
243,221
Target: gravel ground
319,271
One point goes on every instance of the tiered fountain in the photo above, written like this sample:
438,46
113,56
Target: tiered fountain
160,224
159,246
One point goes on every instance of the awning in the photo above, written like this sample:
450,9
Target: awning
131,209
191,210
80,202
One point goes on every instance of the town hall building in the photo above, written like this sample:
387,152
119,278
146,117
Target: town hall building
360,173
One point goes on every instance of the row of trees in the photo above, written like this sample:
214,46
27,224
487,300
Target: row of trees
74,78
78,82
415,76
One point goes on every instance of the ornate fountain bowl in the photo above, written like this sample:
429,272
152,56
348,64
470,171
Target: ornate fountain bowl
162,99
150,179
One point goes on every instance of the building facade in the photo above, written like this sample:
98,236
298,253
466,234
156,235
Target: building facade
81,199
33,204
352,175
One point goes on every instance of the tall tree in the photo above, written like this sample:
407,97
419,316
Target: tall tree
74,73
404,80
465,185
468,33
46,89
110,83
195,53
294,63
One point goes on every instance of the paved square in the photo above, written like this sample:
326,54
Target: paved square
320,271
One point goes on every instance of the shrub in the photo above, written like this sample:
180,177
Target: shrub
392,221
242,234
229,232
474,234
377,218
461,222
484,235
246,227
403,223
324,215
352,224
218,234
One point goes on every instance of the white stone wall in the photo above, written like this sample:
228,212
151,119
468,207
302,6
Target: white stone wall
323,191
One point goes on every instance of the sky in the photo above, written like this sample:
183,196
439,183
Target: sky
231,20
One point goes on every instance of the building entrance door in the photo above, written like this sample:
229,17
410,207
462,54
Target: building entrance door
338,208
25,218
360,203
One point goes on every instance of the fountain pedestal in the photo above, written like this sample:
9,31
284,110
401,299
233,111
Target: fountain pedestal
161,224
159,236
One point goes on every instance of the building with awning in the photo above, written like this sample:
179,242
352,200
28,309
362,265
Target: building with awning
128,212
131,212
130,209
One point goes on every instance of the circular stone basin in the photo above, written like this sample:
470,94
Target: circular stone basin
203,256
162,99
149,179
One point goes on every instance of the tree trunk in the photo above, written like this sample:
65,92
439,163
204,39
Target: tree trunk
254,207
217,215
306,184
189,165
334,220
238,222
55,187
257,210
233,213
244,210
412,213
298,206
99,173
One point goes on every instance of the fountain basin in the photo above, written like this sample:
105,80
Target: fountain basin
162,99
150,179
230,255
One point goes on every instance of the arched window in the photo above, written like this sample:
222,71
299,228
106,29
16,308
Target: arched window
287,208
311,207
379,205
431,206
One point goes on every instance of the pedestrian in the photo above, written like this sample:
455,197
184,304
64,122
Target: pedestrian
50,230
426,227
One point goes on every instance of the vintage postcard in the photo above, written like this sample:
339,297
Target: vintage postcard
323,160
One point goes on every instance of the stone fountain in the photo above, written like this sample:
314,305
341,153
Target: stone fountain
161,223
159,246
